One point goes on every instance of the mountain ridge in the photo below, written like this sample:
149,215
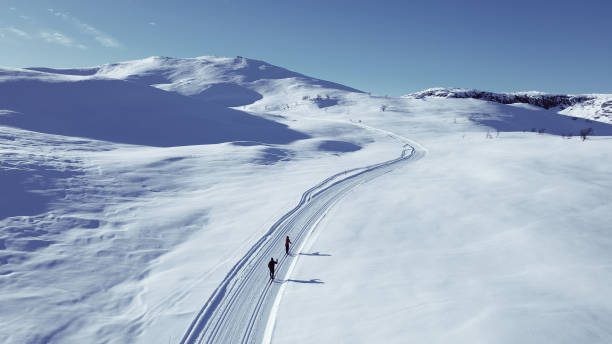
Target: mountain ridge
239,81
595,106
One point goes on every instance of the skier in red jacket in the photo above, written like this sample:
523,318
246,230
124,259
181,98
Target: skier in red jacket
287,242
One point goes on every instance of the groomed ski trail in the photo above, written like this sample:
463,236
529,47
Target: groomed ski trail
241,309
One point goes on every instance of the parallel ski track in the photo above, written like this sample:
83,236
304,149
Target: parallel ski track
239,308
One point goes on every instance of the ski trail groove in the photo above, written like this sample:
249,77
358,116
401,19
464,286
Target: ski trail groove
242,308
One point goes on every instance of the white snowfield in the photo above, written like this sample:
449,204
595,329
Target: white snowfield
141,202
242,308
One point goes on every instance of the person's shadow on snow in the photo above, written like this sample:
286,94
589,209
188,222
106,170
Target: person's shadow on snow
315,254
311,281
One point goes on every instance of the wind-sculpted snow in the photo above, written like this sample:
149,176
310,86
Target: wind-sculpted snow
32,185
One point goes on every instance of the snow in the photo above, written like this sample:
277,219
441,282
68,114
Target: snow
509,248
135,190
112,110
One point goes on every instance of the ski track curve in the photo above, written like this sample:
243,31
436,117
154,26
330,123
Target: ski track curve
242,308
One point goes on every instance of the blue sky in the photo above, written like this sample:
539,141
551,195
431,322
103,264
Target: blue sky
385,47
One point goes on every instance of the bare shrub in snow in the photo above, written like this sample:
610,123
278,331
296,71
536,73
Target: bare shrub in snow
584,133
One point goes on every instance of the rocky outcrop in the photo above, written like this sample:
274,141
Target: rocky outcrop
543,100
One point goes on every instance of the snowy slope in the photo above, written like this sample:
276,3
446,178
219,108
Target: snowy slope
122,111
590,106
107,177
496,242
136,190
222,80
493,237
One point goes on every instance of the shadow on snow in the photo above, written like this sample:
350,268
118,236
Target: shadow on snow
126,112
311,281
28,190
315,254
509,118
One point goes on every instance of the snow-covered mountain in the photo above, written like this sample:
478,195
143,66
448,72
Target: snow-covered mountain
223,80
109,102
591,106
140,202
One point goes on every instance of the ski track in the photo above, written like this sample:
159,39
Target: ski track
242,308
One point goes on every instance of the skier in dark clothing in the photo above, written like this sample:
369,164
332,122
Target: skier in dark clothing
271,267
287,242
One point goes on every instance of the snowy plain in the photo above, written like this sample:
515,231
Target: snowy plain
126,205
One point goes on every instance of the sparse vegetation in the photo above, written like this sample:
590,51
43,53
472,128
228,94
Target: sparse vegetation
584,133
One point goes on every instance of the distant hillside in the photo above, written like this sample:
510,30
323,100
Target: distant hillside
591,106
228,81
